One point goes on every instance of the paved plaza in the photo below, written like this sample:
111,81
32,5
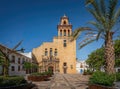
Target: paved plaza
64,81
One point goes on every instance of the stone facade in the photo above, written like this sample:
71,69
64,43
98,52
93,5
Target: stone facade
59,55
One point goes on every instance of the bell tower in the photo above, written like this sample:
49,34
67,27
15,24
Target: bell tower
64,27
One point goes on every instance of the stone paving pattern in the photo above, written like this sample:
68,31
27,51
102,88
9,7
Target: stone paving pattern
64,81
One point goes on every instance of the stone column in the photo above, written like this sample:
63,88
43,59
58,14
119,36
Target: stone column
62,32
66,32
70,32
58,32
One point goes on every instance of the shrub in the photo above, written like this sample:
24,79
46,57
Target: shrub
42,74
118,76
101,78
36,74
11,81
87,72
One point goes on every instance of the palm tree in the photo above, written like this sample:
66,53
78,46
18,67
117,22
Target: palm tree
4,62
106,21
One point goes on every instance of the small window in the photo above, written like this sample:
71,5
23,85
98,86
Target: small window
71,66
81,66
55,54
64,22
26,60
64,43
46,52
64,64
119,70
12,68
18,60
23,60
13,59
23,68
18,68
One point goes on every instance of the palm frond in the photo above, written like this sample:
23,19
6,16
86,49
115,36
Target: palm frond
115,19
99,34
97,25
112,6
99,19
87,39
111,13
88,42
89,2
77,32
103,8
94,14
116,15
96,7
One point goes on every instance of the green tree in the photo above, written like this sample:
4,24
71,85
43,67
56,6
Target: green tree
27,65
106,22
30,66
96,59
117,48
117,52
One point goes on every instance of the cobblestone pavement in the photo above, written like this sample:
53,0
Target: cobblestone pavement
64,81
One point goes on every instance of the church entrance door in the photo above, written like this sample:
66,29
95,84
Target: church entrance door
65,70
51,69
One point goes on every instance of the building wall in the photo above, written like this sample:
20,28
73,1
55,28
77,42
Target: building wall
81,66
15,63
65,54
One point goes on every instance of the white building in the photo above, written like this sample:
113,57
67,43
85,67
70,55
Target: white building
16,60
81,66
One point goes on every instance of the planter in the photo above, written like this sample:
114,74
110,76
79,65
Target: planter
95,86
37,78
22,86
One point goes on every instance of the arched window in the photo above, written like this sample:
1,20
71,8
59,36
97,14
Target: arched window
68,32
64,64
64,32
55,53
64,22
46,52
60,32
50,51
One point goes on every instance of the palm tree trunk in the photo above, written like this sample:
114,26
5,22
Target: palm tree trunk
109,54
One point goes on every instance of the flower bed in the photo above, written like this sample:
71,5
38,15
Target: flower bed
40,76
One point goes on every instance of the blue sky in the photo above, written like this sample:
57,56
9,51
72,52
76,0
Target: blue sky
35,21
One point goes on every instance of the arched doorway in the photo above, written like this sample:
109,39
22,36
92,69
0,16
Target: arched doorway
50,68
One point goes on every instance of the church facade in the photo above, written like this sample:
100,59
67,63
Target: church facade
59,55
